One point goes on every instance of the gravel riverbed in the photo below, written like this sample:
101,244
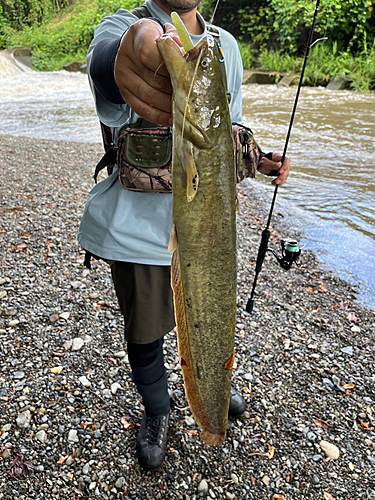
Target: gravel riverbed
69,413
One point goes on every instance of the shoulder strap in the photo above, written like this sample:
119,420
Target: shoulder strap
215,33
141,12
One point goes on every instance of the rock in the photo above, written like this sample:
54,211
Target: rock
23,421
348,350
41,436
261,77
72,436
77,344
7,453
13,322
6,427
189,421
234,478
287,80
330,450
338,84
230,496
64,315
72,66
355,329
120,482
84,381
266,480
19,375
86,469
203,486
120,354
115,387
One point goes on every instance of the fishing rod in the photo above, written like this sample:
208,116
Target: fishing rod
290,249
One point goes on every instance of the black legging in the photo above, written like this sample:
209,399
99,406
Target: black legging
149,375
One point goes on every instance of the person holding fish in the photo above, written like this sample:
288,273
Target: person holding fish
128,219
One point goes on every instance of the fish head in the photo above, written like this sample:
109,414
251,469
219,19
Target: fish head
199,94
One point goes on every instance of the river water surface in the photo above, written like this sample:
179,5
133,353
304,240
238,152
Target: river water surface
330,196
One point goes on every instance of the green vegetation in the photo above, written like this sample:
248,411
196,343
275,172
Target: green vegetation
272,34
57,37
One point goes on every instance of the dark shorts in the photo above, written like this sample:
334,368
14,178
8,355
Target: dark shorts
146,300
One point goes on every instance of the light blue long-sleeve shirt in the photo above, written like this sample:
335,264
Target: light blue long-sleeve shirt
124,225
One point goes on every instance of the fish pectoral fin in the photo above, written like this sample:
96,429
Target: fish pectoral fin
173,240
192,177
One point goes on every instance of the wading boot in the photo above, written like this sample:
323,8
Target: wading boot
237,405
152,441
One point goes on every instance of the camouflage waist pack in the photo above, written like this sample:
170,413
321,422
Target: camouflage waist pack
143,156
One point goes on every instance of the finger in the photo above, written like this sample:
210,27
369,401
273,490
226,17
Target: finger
284,172
146,34
149,113
138,85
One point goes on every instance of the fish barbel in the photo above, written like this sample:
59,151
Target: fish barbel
203,239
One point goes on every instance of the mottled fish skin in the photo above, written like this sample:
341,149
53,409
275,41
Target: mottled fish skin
204,262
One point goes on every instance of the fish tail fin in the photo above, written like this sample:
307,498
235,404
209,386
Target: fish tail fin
212,439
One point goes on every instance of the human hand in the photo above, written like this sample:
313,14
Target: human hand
275,167
140,74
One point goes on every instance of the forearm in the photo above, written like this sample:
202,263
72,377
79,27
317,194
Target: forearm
102,69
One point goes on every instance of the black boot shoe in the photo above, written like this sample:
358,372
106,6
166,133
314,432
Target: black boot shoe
237,405
152,440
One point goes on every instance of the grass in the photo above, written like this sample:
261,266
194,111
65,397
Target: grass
326,63
67,37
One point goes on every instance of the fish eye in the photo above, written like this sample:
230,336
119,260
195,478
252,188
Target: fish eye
205,63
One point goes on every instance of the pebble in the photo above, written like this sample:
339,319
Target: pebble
348,350
7,453
115,387
77,344
23,420
234,478
86,469
41,436
120,483
189,421
266,480
120,354
330,449
203,486
84,381
73,436
64,315
283,387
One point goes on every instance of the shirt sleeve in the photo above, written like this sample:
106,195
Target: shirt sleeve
106,37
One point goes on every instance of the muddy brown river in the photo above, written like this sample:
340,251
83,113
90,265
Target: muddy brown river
330,197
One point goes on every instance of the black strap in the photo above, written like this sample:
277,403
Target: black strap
109,157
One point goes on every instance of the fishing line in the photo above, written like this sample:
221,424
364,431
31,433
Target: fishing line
214,12
190,90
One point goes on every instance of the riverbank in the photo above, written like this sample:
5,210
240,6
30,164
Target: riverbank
305,362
